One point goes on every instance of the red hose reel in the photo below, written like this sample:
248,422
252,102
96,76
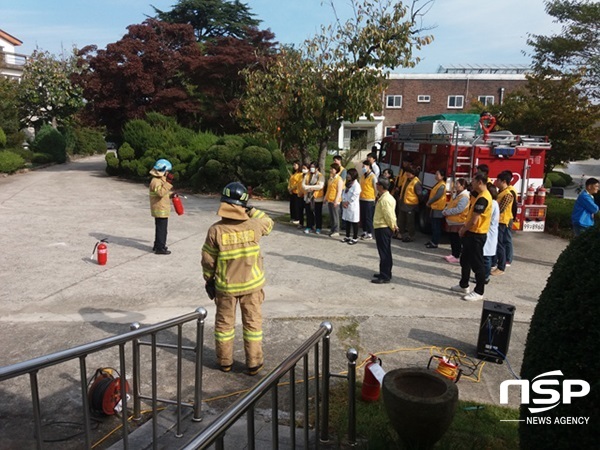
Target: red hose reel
104,393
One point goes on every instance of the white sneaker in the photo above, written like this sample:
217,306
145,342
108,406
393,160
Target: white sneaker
333,235
306,230
459,288
473,297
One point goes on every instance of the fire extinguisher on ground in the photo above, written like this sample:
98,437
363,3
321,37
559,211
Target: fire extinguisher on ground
102,252
371,387
177,204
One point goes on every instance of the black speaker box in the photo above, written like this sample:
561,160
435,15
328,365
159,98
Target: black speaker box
494,331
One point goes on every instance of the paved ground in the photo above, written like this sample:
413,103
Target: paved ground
54,297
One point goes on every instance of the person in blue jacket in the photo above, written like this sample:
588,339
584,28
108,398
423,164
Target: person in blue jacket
585,207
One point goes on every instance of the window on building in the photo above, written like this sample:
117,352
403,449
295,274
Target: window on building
456,101
389,130
486,99
423,98
394,101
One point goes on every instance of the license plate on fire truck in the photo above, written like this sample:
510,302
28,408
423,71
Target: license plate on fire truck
533,225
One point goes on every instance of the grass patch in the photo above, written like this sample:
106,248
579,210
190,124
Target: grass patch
348,332
475,426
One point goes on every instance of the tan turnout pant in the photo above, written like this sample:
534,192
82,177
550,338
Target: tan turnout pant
250,306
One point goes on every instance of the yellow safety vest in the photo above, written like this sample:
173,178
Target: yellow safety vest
332,189
366,185
512,189
483,224
410,197
461,217
295,181
440,203
505,215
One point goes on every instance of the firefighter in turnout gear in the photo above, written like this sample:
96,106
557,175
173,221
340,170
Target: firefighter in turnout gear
232,267
160,205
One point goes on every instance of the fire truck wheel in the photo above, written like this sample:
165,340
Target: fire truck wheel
424,220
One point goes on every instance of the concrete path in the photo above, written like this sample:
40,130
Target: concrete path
54,297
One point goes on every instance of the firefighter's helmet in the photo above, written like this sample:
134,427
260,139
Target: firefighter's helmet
235,194
163,165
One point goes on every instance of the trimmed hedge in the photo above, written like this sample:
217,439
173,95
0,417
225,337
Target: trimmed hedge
50,141
558,216
564,336
10,162
202,161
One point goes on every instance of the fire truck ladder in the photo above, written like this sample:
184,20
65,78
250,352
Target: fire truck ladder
461,164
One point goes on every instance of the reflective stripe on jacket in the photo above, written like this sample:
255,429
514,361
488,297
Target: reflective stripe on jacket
231,254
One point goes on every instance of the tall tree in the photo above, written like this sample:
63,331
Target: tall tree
336,76
211,18
576,49
9,117
46,93
554,105
218,79
147,70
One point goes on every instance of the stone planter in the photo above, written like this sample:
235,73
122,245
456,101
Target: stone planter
420,404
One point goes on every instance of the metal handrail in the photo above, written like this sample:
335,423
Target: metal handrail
216,430
33,366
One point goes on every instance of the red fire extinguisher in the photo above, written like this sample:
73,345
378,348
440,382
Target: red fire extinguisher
530,195
102,252
371,387
177,204
540,197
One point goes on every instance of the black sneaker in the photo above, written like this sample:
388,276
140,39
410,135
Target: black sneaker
431,245
346,239
376,275
380,281
353,241
164,251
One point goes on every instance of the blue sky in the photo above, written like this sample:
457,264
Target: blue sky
466,31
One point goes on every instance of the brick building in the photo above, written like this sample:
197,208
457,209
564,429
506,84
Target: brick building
452,89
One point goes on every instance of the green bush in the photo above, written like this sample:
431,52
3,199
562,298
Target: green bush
142,137
564,336
49,140
41,158
202,142
2,138
89,141
10,162
558,216
236,143
24,153
256,157
565,176
112,163
125,152
556,179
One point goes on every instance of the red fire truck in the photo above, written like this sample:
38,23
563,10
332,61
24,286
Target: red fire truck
459,143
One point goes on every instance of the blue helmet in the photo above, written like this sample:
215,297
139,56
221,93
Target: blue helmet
163,165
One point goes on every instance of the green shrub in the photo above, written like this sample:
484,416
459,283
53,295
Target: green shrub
41,158
141,136
10,162
49,140
211,176
125,152
556,179
565,176
112,163
89,142
236,143
24,153
564,336
202,142
256,158
2,138
558,216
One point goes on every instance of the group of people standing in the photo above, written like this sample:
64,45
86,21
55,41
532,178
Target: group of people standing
478,216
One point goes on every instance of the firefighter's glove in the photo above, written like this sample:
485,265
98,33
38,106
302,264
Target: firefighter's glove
170,177
210,289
